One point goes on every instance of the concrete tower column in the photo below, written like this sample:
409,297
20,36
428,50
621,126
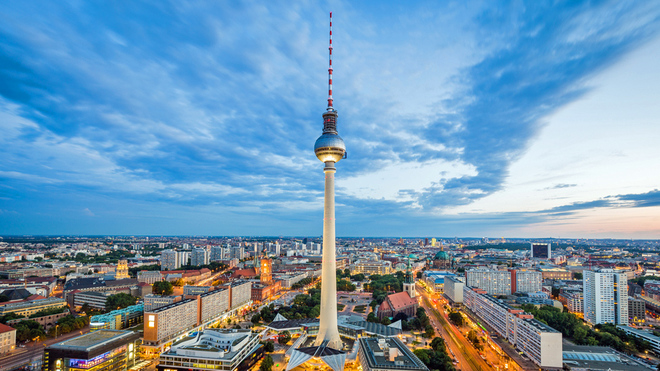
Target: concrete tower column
328,329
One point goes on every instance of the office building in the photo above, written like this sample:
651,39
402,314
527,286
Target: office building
541,251
605,297
92,298
170,260
213,349
7,338
199,256
524,281
541,343
492,281
105,350
636,311
118,319
387,354
454,289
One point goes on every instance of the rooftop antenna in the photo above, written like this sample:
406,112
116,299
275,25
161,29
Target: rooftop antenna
330,69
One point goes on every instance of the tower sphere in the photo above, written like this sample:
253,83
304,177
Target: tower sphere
330,147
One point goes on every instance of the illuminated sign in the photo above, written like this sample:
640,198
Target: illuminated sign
89,363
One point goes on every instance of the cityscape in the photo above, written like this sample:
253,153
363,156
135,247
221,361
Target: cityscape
161,208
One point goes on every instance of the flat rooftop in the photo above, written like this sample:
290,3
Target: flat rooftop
600,358
85,343
376,351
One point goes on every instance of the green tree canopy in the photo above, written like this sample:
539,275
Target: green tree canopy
118,301
163,288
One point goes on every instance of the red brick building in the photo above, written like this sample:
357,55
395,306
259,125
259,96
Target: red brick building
400,302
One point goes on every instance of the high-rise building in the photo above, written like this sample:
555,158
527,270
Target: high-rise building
605,297
237,252
492,281
169,260
330,149
454,289
199,257
636,310
216,254
524,281
541,251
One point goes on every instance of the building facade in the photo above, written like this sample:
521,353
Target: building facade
541,343
454,289
7,338
98,350
541,251
199,256
524,281
492,281
170,260
636,310
118,319
605,297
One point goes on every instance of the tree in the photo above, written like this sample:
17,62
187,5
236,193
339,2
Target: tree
256,318
179,282
118,301
429,332
456,318
371,317
284,337
269,347
438,344
577,275
162,288
266,364
419,275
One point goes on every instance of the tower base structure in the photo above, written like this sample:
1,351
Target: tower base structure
333,358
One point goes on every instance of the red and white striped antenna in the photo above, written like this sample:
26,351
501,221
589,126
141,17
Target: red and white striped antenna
330,67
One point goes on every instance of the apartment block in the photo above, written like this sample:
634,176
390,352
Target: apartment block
166,322
492,281
152,301
170,260
525,282
605,297
199,256
574,300
213,303
541,343
240,293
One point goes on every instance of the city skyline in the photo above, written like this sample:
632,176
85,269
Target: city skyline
461,120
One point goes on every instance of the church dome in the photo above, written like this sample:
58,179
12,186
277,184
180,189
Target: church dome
442,255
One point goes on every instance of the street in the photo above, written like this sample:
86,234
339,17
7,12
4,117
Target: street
33,351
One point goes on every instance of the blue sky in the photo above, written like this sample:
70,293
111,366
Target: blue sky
521,119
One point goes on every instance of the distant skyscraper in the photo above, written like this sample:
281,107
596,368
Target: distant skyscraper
541,251
605,297
329,148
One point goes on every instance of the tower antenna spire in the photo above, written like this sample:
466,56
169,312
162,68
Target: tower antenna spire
330,68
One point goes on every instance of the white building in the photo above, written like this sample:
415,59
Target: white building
526,281
605,297
494,282
170,260
454,289
212,349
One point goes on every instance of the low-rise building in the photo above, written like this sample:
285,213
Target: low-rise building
369,267
30,307
573,300
387,354
397,303
212,349
100,350
7,338
118,319
644,335
149,277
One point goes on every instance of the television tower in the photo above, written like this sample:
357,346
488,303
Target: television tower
329,148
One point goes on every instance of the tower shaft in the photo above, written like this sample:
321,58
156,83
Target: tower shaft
328,329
